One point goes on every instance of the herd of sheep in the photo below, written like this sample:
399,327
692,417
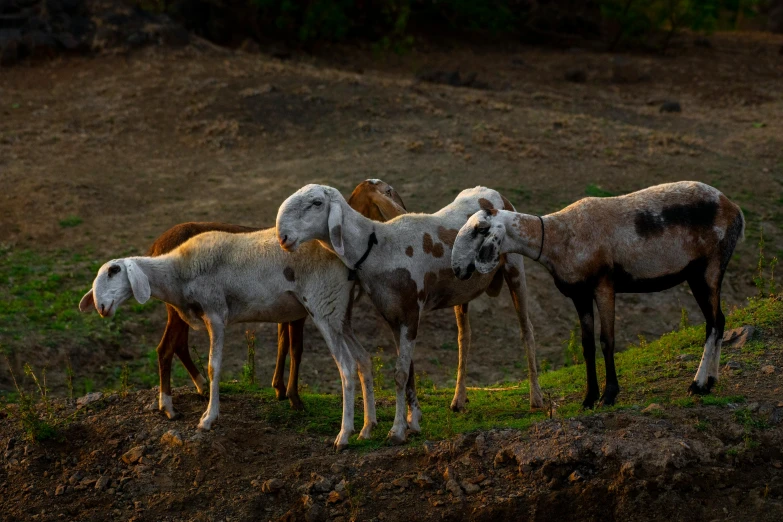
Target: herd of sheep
325,252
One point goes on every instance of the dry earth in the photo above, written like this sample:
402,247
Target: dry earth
134,144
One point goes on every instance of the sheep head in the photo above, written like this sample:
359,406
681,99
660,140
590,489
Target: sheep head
478,244
312,212
116,282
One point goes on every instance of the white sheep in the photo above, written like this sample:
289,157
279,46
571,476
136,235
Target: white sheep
646,241
404,267
218,278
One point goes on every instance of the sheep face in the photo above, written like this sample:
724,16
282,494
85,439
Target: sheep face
312,212
115,283
478,245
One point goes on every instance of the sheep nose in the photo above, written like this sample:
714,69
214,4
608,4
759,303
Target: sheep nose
103,309
284,240
457,270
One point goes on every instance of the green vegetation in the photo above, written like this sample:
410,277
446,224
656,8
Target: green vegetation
647,374
595,191
71,221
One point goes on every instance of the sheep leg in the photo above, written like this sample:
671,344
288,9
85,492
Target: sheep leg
584,307
514,273
405,393
296,336
181,349
346,365
604,299
283,344
463,326
707,295
414,411
365,376
167,347
216,329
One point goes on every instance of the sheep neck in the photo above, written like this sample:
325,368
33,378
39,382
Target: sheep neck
525,235
358,232
161,277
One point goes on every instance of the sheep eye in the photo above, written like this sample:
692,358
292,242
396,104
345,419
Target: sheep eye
389,192
113,269
317,203
482,229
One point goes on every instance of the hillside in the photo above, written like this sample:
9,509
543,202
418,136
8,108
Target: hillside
659,455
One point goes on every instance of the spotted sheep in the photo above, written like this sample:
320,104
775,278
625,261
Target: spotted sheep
646,241
377,200
404,267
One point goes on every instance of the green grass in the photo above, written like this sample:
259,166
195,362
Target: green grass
595,191
71,221
648,373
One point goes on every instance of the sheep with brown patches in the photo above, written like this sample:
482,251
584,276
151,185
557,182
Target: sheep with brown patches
404,266
376,200
647,241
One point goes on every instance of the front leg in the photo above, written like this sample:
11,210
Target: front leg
584,307
216,328
405,392
463,338
604,299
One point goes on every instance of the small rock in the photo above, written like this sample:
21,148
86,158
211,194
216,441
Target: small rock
76,478
753,407
686,357
738,337
133,455
576,476
470,488
320,484
575,76
733,365
670,106
137,505
316,513
272,485
60,490
480,444
449,474
453,487
250,92
103,482
200,475
652,407
423,481
337,468
171,438
81,402
768,369
401,482
335,497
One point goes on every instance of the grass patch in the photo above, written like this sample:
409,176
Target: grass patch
71,221
648,373
595,191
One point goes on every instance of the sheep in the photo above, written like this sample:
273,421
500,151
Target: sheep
215,279
646,241
373,198
403,266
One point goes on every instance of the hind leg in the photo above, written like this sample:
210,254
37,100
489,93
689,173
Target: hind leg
604,300
296,337
283,344
463,326
706,290
514,272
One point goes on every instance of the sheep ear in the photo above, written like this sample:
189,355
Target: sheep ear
387,208
335,223
138,281
87,302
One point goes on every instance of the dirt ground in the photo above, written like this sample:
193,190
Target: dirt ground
121,460
134,144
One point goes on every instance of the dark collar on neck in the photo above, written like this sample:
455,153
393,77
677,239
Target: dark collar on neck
541,250
372,241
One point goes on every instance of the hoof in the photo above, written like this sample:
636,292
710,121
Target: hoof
296,403
695,389
610,395
457,407
205,425
173,415
396,439
280,394
366,433
606,401
338,447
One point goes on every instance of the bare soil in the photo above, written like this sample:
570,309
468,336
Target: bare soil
659,463
134,144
